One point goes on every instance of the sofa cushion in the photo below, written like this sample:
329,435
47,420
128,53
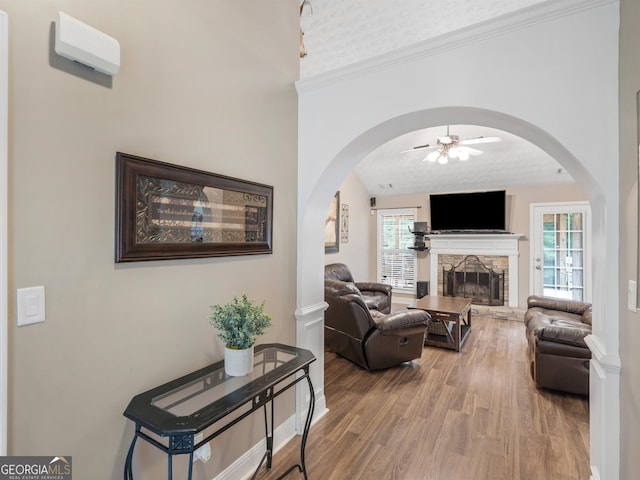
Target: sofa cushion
338,271
339,288
558,304
399,320
557,326
376,301
558,349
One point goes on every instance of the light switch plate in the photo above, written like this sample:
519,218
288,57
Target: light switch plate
30,305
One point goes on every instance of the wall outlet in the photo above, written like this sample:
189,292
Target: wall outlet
204,452
632,300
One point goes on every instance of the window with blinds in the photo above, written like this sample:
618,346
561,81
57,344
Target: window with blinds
396,262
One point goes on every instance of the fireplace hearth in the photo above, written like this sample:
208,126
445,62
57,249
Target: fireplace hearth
472,279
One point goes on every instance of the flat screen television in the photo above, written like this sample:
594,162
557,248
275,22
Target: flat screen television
468,212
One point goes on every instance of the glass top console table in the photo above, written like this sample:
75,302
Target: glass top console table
184,407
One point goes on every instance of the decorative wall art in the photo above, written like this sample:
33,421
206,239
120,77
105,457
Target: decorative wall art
332,226
344,223
166,211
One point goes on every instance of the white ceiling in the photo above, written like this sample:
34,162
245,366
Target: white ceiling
339,33
509,163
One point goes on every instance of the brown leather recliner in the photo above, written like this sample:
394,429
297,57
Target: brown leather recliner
370,339
555,330
377,296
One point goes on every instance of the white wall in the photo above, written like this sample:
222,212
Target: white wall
356,251
207,85
548,75
629,321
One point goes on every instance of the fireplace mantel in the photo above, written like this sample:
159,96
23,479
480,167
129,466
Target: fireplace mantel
504,244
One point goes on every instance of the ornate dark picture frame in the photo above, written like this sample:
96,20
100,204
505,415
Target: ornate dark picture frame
165,211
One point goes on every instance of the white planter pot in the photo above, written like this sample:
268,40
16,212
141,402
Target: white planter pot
238,363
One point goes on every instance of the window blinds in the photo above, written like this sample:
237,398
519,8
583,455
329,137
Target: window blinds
396,262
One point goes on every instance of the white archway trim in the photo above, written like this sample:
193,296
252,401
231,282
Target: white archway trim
310,334
607,362
605,365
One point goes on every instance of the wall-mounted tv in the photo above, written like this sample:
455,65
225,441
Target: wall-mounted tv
468,212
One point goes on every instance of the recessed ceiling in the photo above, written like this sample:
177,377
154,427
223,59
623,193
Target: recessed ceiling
511,162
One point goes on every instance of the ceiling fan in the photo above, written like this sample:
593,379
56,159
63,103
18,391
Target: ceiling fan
450,146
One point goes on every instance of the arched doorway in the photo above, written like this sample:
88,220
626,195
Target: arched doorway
524,75
311,250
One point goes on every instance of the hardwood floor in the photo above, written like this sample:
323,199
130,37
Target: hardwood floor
471,415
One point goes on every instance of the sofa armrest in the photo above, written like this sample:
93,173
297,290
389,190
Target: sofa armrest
400,320
560,304
563,334
374,287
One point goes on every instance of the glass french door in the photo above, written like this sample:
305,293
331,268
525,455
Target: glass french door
560,258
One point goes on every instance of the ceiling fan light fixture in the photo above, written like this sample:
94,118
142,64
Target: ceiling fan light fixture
450,146
433,156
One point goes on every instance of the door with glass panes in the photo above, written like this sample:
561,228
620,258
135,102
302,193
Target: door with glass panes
560,236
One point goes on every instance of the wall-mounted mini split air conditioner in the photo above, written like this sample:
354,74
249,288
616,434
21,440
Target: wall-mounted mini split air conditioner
82,43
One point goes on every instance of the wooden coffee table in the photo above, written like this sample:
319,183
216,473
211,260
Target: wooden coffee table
450,320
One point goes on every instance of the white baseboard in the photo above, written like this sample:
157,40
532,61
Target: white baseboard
244,466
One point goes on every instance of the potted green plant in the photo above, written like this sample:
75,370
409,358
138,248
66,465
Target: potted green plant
239,322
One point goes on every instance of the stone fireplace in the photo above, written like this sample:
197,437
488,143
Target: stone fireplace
498,252
472,278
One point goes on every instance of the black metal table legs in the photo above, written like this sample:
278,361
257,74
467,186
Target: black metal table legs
303,442
128,474
180,444
305,433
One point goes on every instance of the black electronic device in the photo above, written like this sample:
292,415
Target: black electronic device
420,228
473,212
422,289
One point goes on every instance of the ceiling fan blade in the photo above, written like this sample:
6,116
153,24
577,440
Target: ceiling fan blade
419,147
471,151
475,141
433,156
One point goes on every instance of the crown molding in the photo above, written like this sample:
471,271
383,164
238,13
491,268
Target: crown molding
518,20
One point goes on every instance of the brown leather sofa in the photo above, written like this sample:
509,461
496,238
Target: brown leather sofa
369,338
377,296
558,355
